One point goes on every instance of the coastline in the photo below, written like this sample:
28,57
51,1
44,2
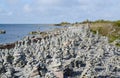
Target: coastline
43,34
67,52
15,32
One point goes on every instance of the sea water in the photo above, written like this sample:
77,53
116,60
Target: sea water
16,32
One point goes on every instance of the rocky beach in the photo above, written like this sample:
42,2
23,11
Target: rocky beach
71,52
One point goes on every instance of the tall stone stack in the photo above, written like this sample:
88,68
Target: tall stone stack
56,65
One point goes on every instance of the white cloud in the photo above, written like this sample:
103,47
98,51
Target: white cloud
5,12
27,8
10,13
48,2
1,10
12,1
60,10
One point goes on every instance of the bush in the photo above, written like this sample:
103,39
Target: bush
117,23
102,21
86,21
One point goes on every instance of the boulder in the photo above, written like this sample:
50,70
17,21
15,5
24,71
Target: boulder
2,31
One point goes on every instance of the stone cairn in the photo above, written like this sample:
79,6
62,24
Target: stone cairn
71,52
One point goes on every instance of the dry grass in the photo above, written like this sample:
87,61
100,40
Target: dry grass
103,28
107,29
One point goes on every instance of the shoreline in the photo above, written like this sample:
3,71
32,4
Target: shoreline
67,52
15,33
42,34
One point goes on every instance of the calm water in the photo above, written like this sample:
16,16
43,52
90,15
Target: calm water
16,32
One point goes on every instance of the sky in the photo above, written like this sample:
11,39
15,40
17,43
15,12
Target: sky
56,11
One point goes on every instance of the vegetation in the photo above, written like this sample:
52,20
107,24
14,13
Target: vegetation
63,24
34,32
86,21
108,28
117,23
117,44
94,31
111,29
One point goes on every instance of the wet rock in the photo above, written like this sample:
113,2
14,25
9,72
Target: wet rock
7,46
2,31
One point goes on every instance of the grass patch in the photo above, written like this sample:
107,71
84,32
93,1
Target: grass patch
63,24
116,23
117,44
112,38
111,29
94,31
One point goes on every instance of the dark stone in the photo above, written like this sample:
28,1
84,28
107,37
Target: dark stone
68,72
7,46
103,77
82,64
99,69
72,64
35,40
2,31
39,39
116,69
48,56
10,59
42,70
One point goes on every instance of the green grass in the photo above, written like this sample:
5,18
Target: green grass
117,44
94,31
111,29
63,24
112,38
116,23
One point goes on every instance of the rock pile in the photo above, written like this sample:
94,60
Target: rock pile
72,52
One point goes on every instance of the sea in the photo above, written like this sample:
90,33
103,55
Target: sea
15,32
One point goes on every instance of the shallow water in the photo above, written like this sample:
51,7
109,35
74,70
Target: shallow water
16,32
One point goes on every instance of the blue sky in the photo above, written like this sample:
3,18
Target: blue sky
56,11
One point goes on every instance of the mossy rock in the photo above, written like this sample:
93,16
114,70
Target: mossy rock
34,32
